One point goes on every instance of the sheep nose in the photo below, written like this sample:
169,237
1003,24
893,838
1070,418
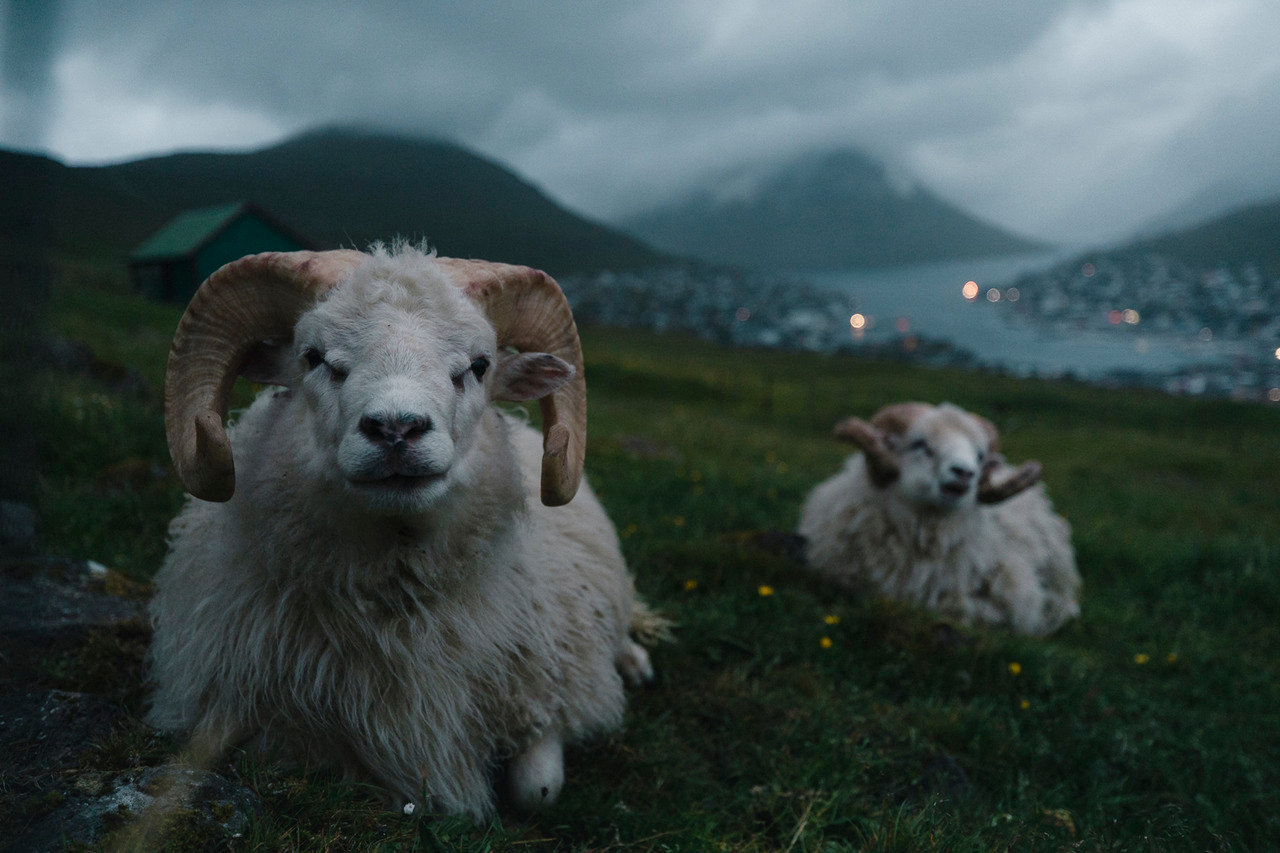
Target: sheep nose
394,431
961,473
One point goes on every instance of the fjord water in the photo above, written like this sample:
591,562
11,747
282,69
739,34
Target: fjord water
929,298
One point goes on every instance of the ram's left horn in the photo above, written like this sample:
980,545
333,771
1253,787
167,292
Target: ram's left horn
529,312
990,492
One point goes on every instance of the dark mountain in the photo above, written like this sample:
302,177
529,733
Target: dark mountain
1248,234
1210,202
338,187
832,210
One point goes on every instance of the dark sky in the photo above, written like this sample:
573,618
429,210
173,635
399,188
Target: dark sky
1073,120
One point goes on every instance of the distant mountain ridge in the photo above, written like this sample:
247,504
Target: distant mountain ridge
1245,235
828,210
1209,202
339,187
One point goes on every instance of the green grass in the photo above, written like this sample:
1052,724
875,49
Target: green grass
1152,723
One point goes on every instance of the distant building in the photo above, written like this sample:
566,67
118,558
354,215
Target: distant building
173,262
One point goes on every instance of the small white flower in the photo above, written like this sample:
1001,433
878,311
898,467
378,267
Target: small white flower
408,808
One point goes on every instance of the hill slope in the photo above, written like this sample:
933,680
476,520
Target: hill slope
340,187
1244,235
832,210
786,713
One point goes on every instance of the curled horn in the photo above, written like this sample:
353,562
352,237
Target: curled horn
990,492
529,312
1026,476
257,298
897,419
882,460
879,439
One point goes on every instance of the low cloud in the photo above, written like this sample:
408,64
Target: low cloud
1064,120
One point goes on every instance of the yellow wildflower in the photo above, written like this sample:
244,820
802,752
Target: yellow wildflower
825,642
678,521
1172,657
765,590
1024,704
1015,668
690,585
1141,657
831,619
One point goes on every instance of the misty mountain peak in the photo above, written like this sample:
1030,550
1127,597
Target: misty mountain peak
829,209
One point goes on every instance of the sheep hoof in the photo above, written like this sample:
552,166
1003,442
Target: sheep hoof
537,774
633,664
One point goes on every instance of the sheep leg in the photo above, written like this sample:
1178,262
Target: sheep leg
633,664
537,774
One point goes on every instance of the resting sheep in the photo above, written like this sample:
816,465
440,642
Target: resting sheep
366,577
929,513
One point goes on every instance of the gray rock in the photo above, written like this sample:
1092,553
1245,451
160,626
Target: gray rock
140,809
46,594
19,529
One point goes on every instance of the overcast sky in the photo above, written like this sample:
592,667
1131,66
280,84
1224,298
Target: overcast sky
1071,120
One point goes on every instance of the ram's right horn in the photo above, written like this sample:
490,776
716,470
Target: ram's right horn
254,299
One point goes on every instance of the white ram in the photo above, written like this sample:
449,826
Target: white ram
929,513
373,583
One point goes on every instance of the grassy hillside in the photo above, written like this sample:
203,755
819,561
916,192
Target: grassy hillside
1152,723
338,187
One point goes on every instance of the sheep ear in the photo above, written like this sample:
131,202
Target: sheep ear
993,434
529,376
271,363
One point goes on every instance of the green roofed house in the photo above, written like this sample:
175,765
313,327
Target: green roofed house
172,262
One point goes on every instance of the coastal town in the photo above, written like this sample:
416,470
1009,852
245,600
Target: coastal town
1147,296
1144,297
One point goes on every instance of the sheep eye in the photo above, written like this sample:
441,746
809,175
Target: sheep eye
315,358
478,366
921,445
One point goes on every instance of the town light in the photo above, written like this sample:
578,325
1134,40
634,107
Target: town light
970,290
860,322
